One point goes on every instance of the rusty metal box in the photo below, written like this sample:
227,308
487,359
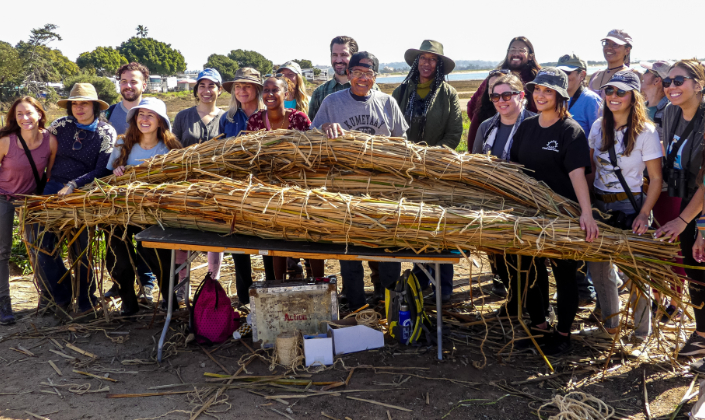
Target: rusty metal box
278,307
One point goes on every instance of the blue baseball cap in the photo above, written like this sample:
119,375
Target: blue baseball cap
210,74
152,104
625,80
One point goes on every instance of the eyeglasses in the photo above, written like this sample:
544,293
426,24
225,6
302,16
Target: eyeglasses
358,73
518,50
678,81
611,90
506,96
78,139
498,71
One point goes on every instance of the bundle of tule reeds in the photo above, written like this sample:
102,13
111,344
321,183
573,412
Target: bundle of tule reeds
251,207
280,151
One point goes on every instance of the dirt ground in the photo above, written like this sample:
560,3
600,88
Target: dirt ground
461,386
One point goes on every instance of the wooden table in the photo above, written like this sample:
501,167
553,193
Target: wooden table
194,241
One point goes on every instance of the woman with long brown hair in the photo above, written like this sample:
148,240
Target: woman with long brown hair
27,152
553,149
624,135
683,130
148,135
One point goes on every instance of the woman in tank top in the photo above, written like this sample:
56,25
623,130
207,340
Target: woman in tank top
25,124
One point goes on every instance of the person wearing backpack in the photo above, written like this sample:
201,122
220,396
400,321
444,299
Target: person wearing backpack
27,152
148,135
623,142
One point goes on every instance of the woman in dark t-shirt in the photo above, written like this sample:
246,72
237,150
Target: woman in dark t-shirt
553,149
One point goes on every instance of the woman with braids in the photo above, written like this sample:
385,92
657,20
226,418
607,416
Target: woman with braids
148,134
521,61
683,129
617,48
431,108
22,138
624,131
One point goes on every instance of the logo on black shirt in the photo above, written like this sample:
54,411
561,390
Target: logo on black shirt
552,146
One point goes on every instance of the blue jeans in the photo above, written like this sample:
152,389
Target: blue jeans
446,277
52,268
604,277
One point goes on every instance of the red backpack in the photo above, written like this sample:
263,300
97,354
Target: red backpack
212,317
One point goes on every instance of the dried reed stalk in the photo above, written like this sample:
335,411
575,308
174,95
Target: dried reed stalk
253,208
276,151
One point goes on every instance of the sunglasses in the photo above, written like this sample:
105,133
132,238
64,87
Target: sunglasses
506,96
500,71
78,139
678,81
611,90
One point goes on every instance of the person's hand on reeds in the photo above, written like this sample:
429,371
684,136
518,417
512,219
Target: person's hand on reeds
589,225
119,171
671,230
332,130
699,248
640,224
68,189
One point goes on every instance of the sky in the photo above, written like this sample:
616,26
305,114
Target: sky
286,30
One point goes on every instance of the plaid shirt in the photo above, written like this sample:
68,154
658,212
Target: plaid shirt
324,90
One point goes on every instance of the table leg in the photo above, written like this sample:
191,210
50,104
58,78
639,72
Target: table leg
169,306
439,309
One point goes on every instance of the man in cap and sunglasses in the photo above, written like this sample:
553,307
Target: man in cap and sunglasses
583,105
361,108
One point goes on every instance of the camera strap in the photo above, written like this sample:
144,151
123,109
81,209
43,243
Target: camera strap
673,148
618,171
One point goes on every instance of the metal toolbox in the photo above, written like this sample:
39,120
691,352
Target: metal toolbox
278,307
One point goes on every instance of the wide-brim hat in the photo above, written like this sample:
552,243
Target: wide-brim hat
83,92
153,104
244,75
433,47
552,78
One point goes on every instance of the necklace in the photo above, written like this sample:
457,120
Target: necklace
607,72
281,124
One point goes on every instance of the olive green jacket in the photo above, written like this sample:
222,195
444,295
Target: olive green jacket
444,122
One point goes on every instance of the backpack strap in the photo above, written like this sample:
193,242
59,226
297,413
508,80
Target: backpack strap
41,182
108,112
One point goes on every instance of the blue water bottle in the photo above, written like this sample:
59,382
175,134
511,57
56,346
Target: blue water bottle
405,323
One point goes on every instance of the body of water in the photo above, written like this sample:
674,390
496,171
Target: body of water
475,75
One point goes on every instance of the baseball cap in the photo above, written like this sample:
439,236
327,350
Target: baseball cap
356,59
618,36
244,75
660,67
625,80
291,65
570,62
152,104
553,78
210,74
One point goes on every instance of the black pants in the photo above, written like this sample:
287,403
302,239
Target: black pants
122,258
354,279
697,292
243,274
565,273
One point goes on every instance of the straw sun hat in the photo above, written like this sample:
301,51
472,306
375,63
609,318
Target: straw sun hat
83,92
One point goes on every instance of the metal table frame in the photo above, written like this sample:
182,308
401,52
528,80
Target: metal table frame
178,239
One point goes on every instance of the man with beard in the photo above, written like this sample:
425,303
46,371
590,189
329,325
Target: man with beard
341,49
361,108
133,79
521,61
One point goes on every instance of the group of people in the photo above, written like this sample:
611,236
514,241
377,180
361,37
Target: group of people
595,142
